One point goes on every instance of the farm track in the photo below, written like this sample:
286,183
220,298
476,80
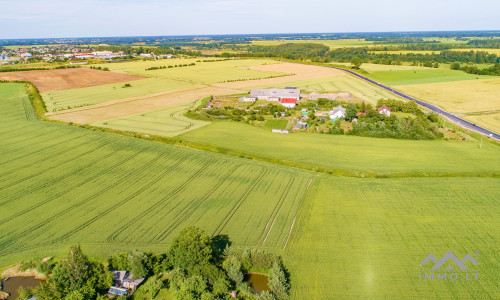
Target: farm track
275,211
192,206
56,197
240,201
82,203
157,205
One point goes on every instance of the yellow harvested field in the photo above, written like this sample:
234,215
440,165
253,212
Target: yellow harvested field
301,72
406,52
376,67
464,96
124,107
490,121
491,51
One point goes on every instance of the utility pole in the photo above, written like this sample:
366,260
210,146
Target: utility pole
480,145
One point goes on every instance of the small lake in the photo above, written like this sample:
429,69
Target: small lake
13,283
259,282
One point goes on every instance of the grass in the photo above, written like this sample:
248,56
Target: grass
169,121
63,185
62,99
459,96
351,153
365,238
275,124
201,73
407,77
341,83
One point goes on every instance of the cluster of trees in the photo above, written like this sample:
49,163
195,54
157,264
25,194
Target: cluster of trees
198,267
493,70
165,67
397,105
291,50
100,68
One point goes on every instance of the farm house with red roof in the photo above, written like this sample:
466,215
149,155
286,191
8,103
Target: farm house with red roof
384,110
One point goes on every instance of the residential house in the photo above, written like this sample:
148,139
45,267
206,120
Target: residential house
123,282
337,113
289,102
301,125
384,110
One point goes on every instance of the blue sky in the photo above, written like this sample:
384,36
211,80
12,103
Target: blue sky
94,18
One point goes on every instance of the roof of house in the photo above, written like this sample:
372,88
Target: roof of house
289,100
337,109
384,107
282,93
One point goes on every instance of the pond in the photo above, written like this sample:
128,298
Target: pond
11,285
259,282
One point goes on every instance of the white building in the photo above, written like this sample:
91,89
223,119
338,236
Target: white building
337,113
275,94
248,99
384,110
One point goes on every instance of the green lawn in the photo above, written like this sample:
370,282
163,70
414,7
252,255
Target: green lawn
351,152
275,124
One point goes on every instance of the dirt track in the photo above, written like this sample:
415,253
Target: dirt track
62,79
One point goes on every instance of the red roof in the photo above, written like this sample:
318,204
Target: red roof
289,100
384,107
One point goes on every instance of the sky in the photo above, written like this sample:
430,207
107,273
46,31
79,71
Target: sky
103,18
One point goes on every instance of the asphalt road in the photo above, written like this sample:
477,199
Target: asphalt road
459,121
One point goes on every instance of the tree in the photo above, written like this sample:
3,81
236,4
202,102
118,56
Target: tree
153,286
233,269
351,111
278,282
137,264
356,62
192,247
455,66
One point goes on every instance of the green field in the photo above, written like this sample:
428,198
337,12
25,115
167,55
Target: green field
168,121
201,73
365,238
275,124
342,83
62,99
64,185
353,153
351,238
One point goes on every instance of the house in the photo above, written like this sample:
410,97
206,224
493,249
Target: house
248,99
301,125
337,113
289,102
272,94
273,99
123,283
384,110
360,114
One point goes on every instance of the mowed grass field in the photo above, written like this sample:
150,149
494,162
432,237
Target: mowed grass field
201,73
352,153
343,83
64,185
169,121
64,99
365,238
